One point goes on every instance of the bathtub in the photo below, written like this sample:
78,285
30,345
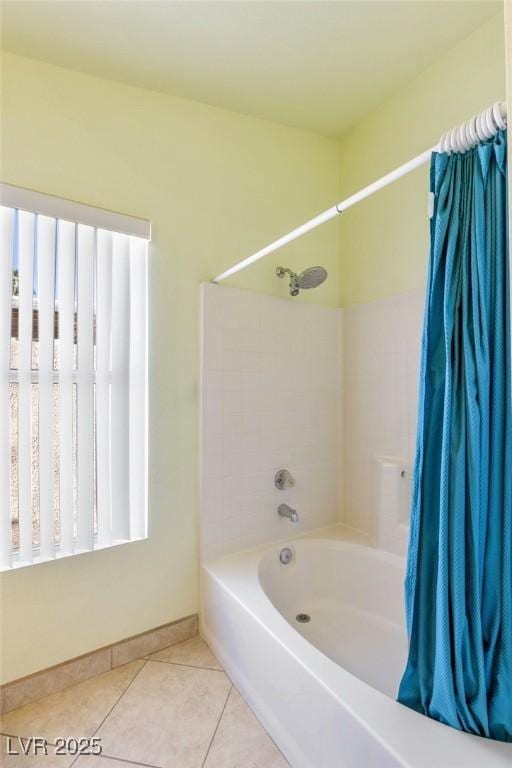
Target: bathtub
325,688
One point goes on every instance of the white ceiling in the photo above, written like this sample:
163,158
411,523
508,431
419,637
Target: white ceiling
312,64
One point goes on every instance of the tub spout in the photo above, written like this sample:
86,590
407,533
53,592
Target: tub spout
285,511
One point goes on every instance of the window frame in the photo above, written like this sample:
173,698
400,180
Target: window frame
118,224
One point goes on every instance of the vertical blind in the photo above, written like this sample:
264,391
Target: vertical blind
73,387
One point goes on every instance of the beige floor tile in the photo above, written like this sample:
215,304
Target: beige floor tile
167,717
51,760
241,741
193,653
74,712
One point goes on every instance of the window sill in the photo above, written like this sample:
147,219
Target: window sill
18,563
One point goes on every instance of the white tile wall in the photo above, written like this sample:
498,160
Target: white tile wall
273,396
381,351
271,399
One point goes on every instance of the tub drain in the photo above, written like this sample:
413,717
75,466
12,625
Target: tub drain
303,618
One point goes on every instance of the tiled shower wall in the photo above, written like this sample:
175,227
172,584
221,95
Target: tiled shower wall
381,352
274,396
271,399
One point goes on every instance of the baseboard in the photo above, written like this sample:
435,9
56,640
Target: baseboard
25,690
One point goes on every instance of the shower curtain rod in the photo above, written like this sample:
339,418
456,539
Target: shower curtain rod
478,128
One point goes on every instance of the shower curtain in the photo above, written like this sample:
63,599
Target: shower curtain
459,570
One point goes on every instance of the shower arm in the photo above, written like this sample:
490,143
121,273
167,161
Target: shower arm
282,271
478,128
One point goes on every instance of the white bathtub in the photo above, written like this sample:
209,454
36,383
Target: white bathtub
325,689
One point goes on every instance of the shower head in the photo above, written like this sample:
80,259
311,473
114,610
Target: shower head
310,278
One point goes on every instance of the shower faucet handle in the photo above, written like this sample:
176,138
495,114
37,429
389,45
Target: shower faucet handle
283,480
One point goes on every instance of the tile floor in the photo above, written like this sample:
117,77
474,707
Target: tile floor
174,709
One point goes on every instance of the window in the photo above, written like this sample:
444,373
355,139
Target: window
73,378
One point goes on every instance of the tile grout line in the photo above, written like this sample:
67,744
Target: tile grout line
217,726
114,706
180,664
125,760
120,697
174,645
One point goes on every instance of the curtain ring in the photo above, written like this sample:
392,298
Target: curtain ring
490,122
462,138
482,134
459,139
498,117
447,146
486,132
478,128
468,135
453,140
471,129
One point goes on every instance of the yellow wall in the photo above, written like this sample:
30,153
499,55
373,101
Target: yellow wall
216,186
384,240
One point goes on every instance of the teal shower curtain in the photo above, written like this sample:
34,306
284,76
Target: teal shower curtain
459,570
